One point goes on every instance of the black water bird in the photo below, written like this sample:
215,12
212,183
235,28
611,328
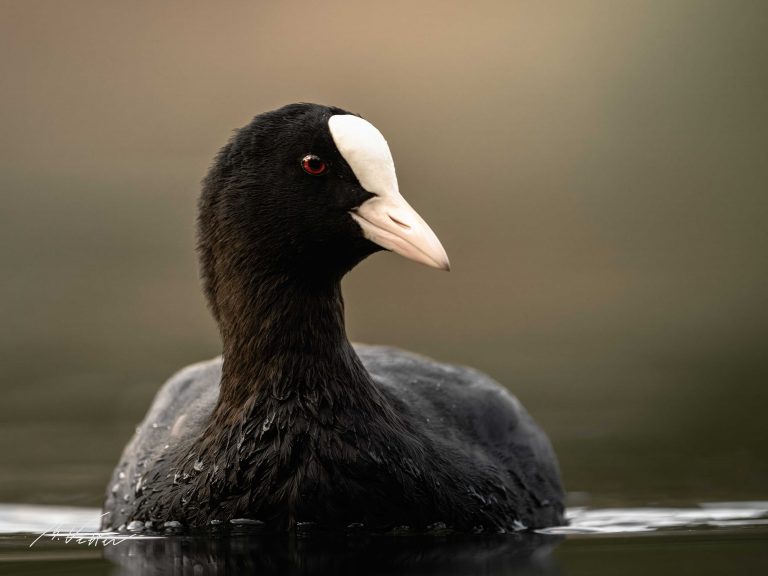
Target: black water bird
294,425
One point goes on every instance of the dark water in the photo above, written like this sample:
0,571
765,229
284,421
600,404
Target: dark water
722,538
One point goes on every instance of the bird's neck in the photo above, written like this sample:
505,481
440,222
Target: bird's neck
285,340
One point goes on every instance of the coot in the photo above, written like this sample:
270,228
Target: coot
293,425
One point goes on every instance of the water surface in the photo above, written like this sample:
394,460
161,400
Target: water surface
713,538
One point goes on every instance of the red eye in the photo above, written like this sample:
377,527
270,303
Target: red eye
314,165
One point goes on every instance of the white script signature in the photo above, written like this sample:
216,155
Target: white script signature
79,536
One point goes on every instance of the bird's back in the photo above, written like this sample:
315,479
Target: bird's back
468,413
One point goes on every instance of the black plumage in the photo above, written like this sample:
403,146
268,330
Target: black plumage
295,424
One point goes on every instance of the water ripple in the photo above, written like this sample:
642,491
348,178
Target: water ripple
32,519
630,520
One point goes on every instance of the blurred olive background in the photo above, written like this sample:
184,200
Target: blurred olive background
597,171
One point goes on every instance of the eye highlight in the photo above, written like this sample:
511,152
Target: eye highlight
314,165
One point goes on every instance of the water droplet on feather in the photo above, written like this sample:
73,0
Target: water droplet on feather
245,522
138,488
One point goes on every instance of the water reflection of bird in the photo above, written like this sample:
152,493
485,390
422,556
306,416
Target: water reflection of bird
458,555
296,426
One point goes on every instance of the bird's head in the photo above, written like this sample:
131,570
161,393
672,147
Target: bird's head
306,191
